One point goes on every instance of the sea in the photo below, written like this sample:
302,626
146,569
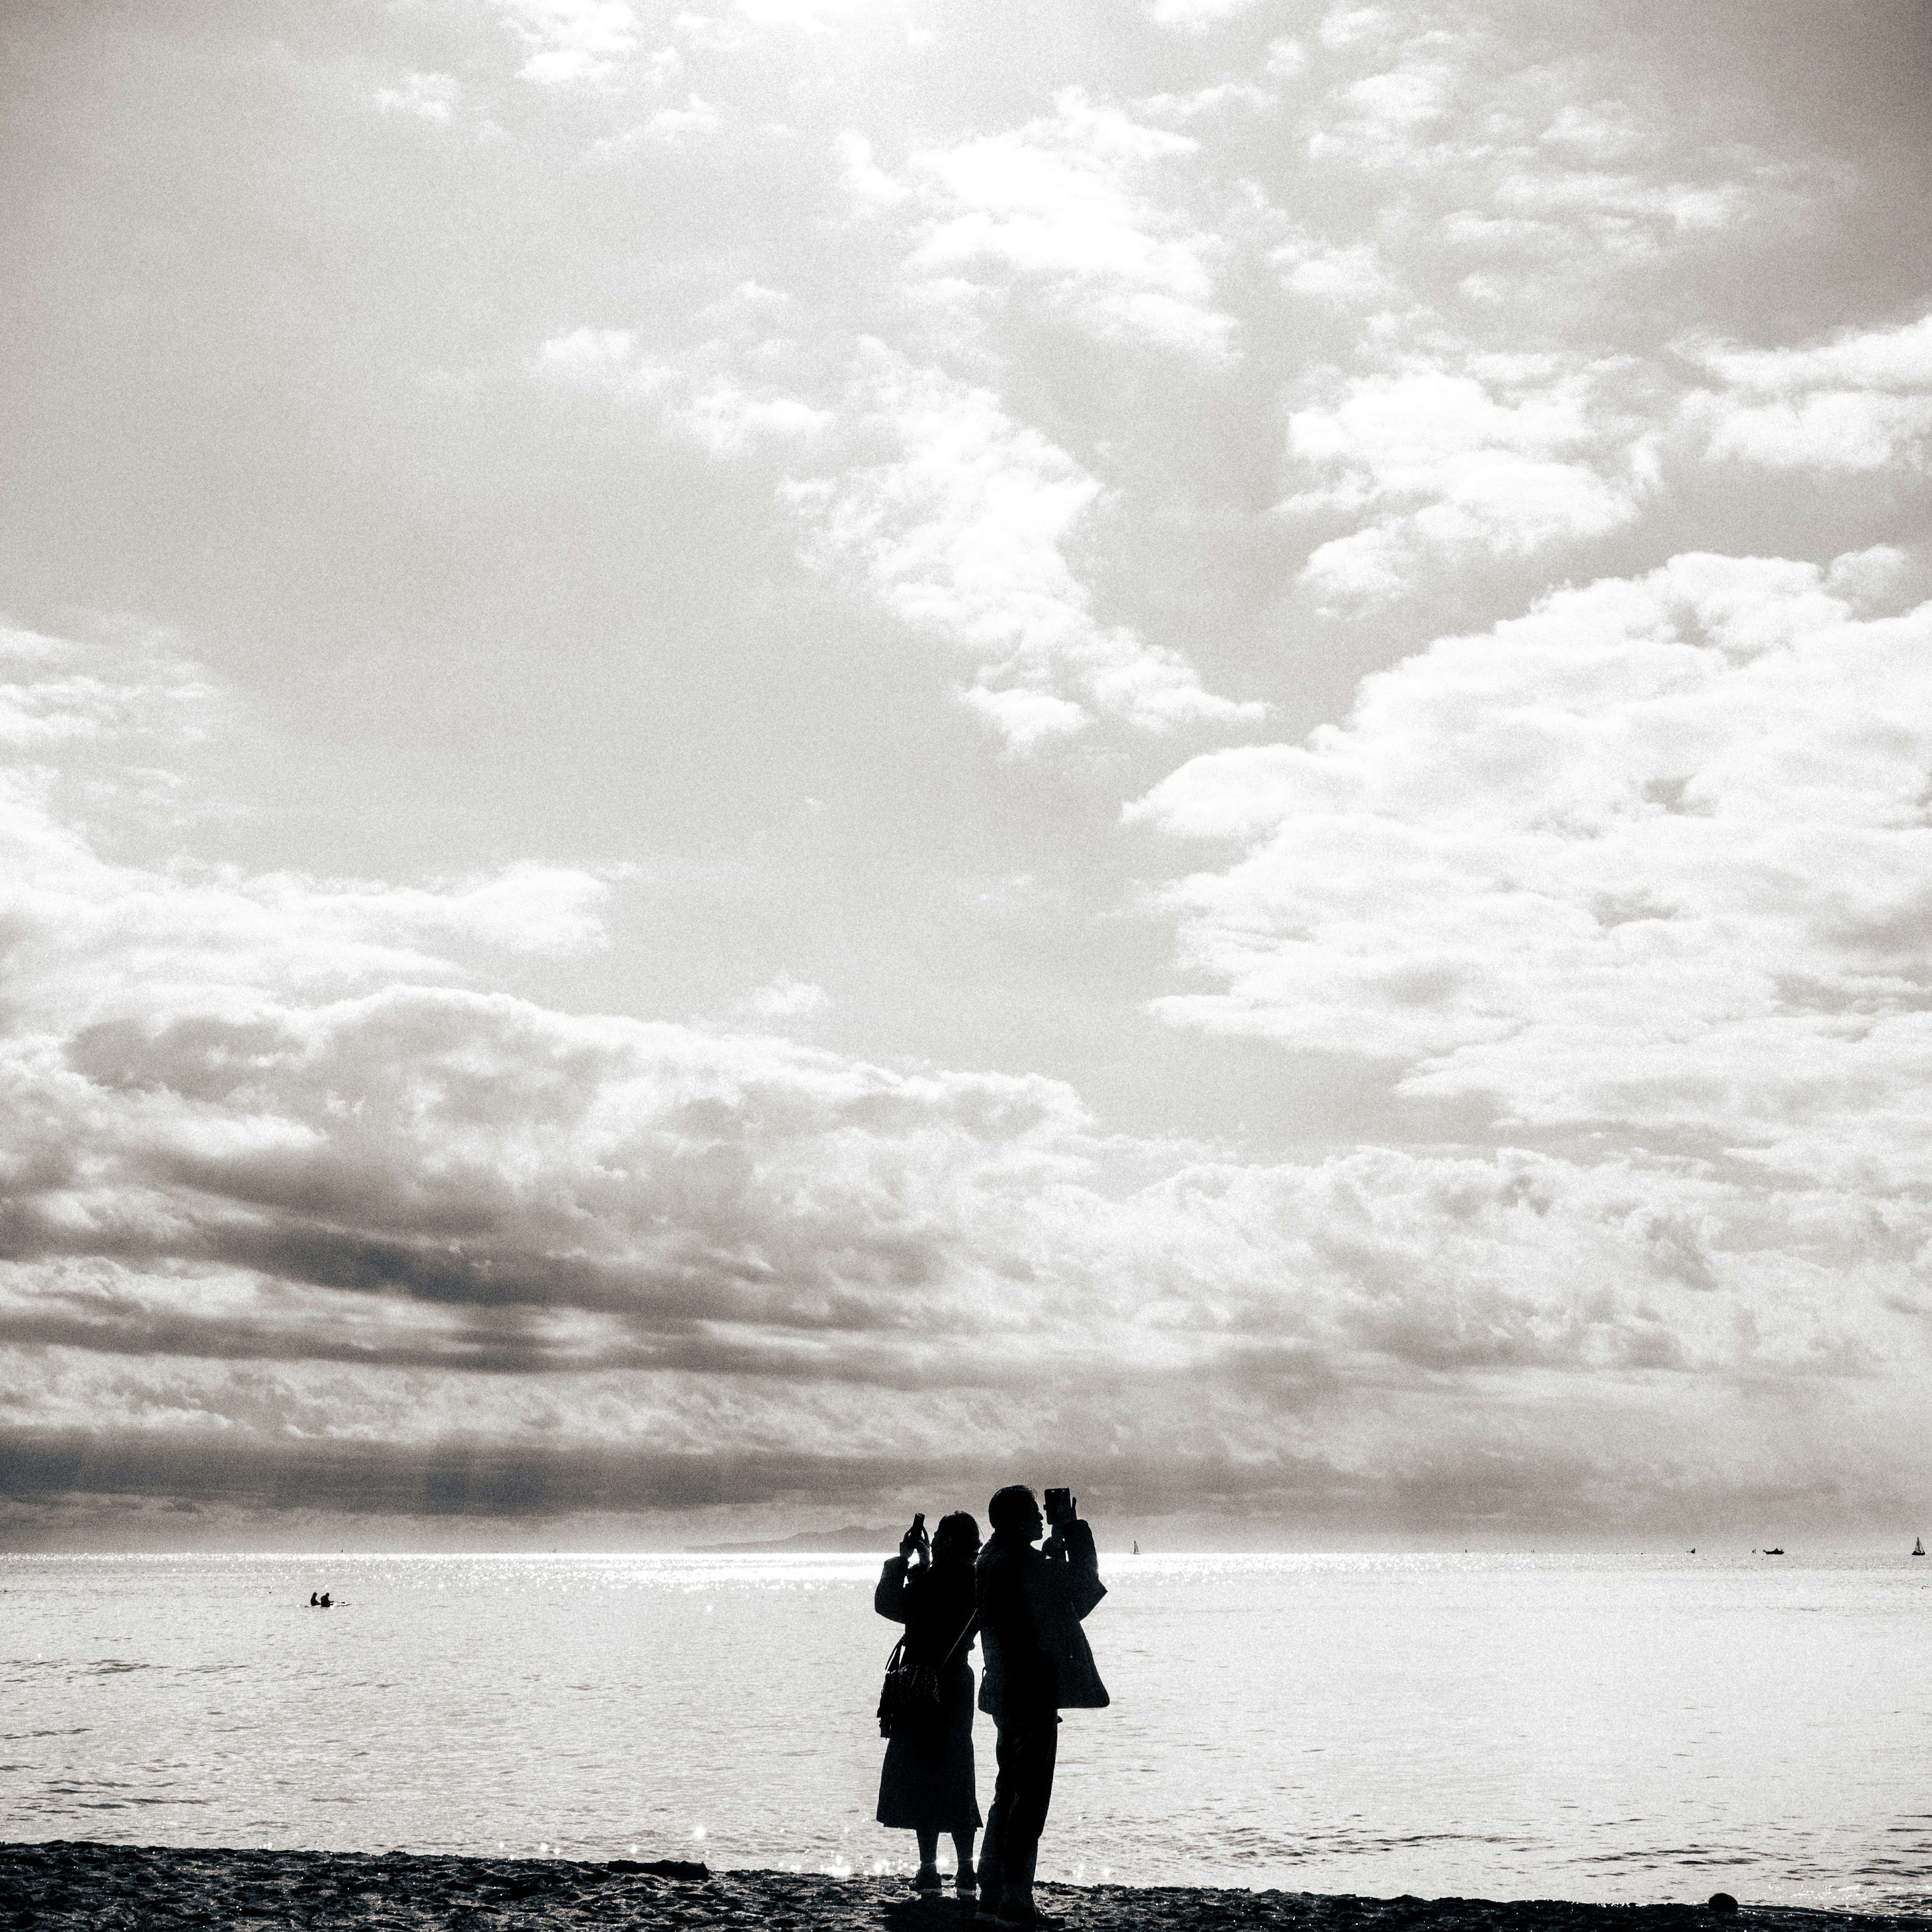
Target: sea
1612,1728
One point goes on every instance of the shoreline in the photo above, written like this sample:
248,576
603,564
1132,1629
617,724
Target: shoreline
64,1882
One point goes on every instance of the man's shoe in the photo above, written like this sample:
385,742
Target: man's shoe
989,1907
1027,1918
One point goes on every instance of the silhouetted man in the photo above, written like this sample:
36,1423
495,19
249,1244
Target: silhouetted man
1037,1664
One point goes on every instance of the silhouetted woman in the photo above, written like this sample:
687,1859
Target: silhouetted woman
927,1784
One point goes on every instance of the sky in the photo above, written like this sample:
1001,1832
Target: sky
764,763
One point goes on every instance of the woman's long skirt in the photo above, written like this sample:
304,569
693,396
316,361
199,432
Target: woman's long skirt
927,1784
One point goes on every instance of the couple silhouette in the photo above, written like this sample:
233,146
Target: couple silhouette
1025,1606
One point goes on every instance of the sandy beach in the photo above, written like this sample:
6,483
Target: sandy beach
67,1883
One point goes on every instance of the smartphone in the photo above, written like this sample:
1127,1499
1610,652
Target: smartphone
1059,1507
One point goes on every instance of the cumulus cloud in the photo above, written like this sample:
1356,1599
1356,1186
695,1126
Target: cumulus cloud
785,998
1194,16
962,525
429,97
1406,318
322,1222
867,187
675,126
1222,95
1861,402
56,699
725,416
814,17
1510,457
1059,205
1495,213
572,41
924,484
1480,367
606,356
1653,855
965,532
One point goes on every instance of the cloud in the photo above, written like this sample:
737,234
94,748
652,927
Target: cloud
317,1220
964,532
55,700
814,16
1896,359
867,187
1480,240
1861,402
721,414
306,1197
1194,16
913,475
1344,26
1655,855
1513,458
668,127
725,419
605,356
1204,100
429,97
1058,205
785,998
572,41
962,526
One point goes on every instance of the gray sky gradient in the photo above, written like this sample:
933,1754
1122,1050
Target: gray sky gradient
762,764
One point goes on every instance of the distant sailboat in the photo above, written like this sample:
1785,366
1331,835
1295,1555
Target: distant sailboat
1918,1546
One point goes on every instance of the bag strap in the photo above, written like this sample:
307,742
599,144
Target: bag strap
971,1623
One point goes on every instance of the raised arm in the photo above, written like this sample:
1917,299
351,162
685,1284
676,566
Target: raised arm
1073,1548
889,1599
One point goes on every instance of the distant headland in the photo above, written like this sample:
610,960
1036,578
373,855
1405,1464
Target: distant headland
854,1538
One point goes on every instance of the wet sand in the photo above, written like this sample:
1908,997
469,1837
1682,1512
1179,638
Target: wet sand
69,1884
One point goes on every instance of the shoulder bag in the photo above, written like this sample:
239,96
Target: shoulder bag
909,1699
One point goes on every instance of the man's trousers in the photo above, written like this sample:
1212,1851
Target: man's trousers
1027,1749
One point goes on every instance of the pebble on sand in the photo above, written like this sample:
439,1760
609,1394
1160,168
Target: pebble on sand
136,1888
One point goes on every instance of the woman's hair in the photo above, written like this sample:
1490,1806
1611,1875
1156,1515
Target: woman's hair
957,1531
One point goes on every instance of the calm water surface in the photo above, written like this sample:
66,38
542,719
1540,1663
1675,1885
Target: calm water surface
1609,1728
